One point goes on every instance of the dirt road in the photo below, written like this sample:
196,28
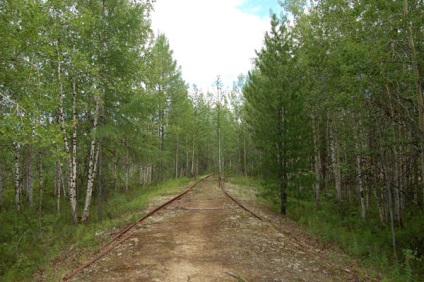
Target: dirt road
205,236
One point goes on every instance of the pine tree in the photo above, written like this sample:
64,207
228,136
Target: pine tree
275,110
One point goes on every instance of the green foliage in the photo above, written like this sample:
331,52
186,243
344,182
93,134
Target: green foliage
275,111
370,242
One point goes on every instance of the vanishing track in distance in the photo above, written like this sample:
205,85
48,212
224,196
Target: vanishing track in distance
122,236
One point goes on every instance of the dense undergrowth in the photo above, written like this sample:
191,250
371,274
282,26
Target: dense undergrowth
28,252
341,227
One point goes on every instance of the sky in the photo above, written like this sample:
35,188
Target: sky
213,37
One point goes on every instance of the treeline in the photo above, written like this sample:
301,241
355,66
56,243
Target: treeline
335,102
93,103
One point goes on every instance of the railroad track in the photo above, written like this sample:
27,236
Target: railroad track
123,235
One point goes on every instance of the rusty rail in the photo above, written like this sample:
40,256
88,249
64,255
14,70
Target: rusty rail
221,185
95,258
105,249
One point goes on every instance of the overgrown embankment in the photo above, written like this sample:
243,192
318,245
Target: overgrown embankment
28,252
338,228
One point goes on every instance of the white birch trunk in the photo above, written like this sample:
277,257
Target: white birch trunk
92,167
73,156
92,164
71,159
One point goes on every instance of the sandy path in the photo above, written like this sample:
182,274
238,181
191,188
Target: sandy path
206,237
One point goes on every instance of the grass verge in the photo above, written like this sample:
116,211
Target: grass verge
31,253
368,242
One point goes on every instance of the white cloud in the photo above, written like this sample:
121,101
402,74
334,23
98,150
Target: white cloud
210,38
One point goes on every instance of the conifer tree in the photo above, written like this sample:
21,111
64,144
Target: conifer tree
275,110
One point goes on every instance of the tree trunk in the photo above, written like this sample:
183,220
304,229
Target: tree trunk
150,173
18,186
281,161
40,189
28,174
92,167
115,176
99,179
219,149
73,153
94,152
359,177
71,157
92,163
63,182
392,220
414,179
161,146
317,163
359,180
380,206
1,187
176,157
187,164
127,167
368,193
422,169
58,186
141,175
336,163
244,154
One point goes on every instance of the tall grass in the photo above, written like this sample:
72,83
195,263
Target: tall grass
342,228
28,252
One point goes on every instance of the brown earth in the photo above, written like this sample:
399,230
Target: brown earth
205,236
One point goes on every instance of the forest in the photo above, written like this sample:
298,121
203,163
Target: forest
329,122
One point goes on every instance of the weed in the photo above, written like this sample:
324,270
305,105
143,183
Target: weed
342,227
26,249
